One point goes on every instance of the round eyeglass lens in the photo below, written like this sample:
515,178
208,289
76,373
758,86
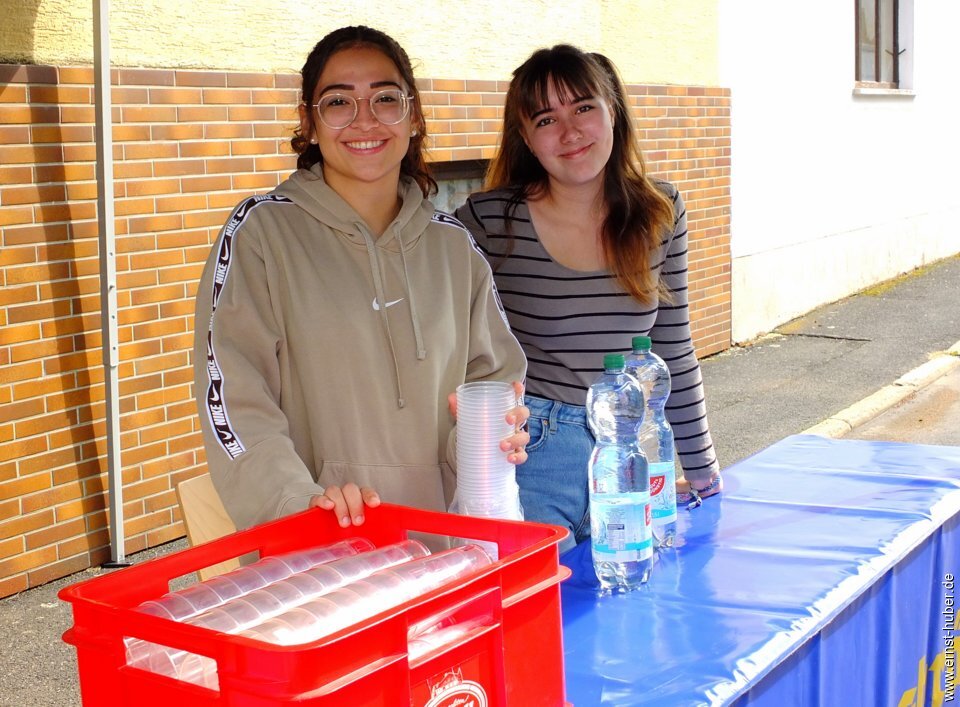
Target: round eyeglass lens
338,110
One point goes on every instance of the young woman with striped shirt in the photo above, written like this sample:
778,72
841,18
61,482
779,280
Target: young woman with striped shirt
587,252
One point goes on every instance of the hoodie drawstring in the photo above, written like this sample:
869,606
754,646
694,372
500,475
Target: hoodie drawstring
418,337
382,300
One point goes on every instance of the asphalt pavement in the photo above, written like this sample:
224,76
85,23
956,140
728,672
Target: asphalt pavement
883,364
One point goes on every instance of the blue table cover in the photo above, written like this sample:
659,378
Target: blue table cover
819,577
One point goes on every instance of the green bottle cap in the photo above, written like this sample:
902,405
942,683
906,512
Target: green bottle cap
614,361
642,343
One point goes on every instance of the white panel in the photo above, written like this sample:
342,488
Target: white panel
823,181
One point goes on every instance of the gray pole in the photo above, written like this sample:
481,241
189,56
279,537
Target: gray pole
108,272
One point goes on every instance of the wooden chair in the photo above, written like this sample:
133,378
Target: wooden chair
205,518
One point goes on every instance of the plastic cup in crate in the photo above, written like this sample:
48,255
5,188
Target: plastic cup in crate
312,582
360,600
228,618
420,644
243,580
286,593
376,585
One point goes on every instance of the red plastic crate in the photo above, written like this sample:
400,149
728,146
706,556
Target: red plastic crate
515,659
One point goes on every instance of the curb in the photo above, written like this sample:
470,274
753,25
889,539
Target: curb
841,423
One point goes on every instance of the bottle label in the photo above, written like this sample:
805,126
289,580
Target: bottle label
663,492
620,526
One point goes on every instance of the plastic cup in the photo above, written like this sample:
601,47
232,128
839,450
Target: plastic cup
483,472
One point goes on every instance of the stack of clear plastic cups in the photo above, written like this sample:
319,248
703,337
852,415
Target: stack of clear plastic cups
420,644
486,481
194,599
269,599
214,592
442,629
364,598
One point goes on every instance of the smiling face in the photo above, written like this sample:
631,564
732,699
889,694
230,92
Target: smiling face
571,136
366,152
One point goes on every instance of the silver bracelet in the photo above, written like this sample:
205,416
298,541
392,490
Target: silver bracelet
695,494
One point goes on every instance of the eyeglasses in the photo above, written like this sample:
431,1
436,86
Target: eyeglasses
338,110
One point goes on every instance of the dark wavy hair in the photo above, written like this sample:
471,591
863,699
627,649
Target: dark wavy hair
414,163
639,213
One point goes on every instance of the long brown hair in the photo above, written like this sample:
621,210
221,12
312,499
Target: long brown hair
414,163
639,214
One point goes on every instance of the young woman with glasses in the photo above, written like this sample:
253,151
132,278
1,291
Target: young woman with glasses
588,252
338,313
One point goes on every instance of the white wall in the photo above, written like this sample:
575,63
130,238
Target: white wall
831,191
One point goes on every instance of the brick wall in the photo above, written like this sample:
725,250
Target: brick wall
188,145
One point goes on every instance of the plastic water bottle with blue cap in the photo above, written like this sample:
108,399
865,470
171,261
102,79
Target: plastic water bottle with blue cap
656,438
620,523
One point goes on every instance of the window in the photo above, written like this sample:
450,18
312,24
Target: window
883,58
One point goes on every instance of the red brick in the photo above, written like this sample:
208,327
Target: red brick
254,147
228,130
149,114
251,113
287,80
83,153
276,164
25,484
170,168
201,78
205,218
14,134
26,115
184,273
229,165
277,97
147,77
62,568
162,363
226,96
180,203
129,207
259,181
50,533
120,95
250,80
69,211
145,187
149,151
13,584
177,96
16,276
61,94
205,148
13,94
132,170
177,132
83,191
154,260
16,295
15,175
201,114
129,133
28,561
21,448
205,184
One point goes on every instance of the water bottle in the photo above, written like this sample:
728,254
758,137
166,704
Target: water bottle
656,438
620,524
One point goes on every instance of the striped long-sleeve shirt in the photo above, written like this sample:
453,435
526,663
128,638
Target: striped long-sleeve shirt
566,320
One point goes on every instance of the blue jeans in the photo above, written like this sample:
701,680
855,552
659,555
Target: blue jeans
553,480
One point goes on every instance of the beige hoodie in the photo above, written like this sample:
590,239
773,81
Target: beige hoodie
324,355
